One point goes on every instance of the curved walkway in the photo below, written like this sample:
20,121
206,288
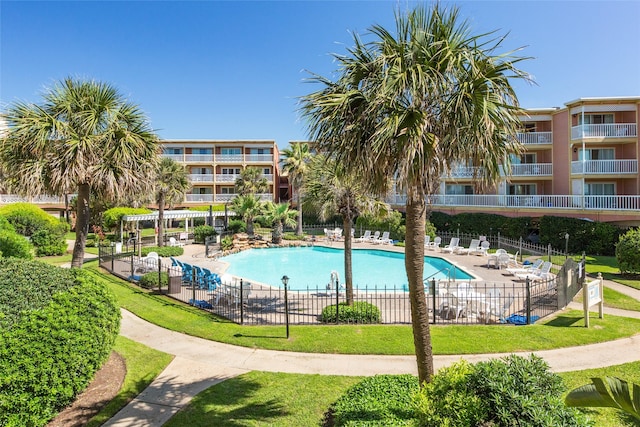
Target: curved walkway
199,363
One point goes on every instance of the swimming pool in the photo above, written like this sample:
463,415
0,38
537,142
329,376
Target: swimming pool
310,267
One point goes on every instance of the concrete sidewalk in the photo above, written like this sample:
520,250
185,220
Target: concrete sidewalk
200,364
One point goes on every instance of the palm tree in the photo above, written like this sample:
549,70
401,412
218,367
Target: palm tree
294,164
407,108
171,185
334,191
280,216
251,181
83,136
249,208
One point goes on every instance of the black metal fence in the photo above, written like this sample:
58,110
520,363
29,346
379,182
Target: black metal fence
449,302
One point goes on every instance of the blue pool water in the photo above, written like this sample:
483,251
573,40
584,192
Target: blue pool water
310,267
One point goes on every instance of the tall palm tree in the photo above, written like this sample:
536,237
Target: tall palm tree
84,136
171,185
296,159
333,190
251,181
249,208
406,107
280,215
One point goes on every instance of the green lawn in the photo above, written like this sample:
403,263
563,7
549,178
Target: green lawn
143,366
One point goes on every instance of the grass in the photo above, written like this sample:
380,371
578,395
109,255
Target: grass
143,366
368,339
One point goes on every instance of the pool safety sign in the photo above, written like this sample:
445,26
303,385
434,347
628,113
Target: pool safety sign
592,295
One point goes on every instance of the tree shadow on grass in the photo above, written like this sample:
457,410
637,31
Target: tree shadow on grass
564,321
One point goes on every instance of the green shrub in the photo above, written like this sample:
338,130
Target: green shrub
5,225
628,252
49,242
292,236
26,218
517,388
165,251
201,232
237,226
226,243
448,401
111,217
394,223
381,400
594,238
53,346
359,312
13,244
150,280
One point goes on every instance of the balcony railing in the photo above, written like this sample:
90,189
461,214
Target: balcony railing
175,157
229,158
244,158
611,130
463,172
199,158
259,158
573,202
199,198
223,198
533,138
532,169
201,177
226,177
605,167
6,199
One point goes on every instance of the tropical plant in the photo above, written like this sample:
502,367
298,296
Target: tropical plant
332,190
249,208
251,181
280,216
171,185
296,159
84,136
201,232
607,392
408,108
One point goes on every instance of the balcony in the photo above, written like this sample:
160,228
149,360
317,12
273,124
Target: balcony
224,198
610,130
175,157
605,167
226,177
199,198
259,158
532,169
535,138
229,158
198,158
200,177
463,172
569,202
6,199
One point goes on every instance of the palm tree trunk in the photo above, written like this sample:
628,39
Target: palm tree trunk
82,224
160,219
299,207
348,271
414,264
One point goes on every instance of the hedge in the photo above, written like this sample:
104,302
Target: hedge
51,344
46,232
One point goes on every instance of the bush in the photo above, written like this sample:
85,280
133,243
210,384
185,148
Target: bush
381,400
292,236
237,226
201,232
47,233
54,343
165,251
13,244
594,238
448,400
150,280
628,252
49,242
497,393
111,217
359,312
394,223
226,243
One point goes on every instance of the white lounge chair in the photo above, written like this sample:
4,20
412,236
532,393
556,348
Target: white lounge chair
526,268
482,249
452,246
500,261
427,241
376,236
543,273
383,240
174,242
473,246
435,244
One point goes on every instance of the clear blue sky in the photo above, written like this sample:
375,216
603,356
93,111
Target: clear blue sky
234,70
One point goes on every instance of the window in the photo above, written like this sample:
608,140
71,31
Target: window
230,171
266,171
201,151
201,171
595,119
259,151
227,190
522,190
202,190
525,159
231,151
457,189
600,189
169,150
597,154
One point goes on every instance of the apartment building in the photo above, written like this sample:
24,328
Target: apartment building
580,160
213,167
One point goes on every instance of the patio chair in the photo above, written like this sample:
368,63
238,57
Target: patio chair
483,249
452,246
427,241
174,242
543,273
365,237
473,246
384,239
502,260
525,268
435,244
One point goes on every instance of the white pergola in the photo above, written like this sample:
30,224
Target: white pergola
172,214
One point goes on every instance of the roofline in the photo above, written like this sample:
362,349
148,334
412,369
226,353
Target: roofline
603,98
223,141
